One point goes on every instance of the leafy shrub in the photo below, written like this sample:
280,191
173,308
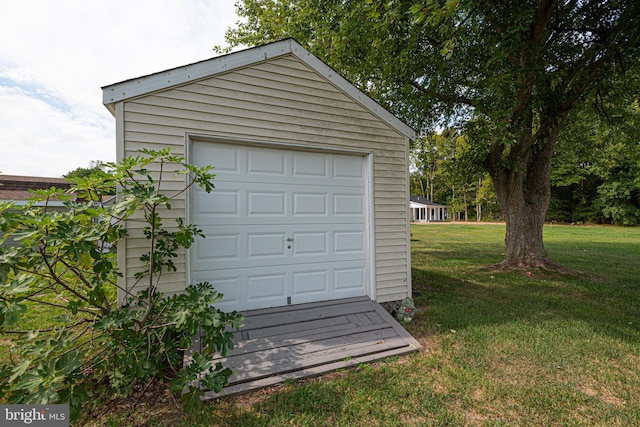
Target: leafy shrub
65,263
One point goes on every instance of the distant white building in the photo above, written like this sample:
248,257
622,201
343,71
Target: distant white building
424,210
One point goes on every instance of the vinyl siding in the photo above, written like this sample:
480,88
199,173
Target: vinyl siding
280,101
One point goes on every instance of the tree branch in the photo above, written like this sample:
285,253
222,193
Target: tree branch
52,304
57,279
78,323
445,97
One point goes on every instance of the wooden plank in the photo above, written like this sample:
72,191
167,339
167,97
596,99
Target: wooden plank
374,318
277,330
287,354
306,306
292,364
271,320
304,373
261,344
353,319
363,319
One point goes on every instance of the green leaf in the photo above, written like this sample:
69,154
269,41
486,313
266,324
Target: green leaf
191,400
10,312
19,370
19,285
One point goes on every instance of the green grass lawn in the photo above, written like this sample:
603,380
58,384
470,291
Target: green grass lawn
499,348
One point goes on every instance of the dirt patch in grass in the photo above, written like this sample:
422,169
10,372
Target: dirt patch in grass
591,407
517,373
593,389
248,400
154,407
629,365
473,418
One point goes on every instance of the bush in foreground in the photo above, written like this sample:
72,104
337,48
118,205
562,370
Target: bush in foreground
58,292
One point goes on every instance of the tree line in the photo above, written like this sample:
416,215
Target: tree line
595,171
442,172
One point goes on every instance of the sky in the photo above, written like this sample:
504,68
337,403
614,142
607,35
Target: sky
55,55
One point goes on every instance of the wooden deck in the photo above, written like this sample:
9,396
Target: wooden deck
306,340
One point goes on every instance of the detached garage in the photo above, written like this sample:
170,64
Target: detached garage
311,186
307,227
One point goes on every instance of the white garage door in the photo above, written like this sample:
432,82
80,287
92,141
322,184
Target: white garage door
282,226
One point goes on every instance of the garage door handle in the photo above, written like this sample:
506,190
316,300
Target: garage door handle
289,239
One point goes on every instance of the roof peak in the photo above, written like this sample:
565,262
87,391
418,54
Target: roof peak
140,86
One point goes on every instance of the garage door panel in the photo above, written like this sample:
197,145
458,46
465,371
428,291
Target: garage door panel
351,242
253,161
343,279
230,221
228,203
348,205
310,243
231,287
305,204
348,168
218,248
266,286
300,181
310,165
311,283
269,286
266,162
266,203
304,239
349,278
226,159
225,203
262,245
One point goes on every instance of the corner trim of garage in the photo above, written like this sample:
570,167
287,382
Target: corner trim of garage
306,340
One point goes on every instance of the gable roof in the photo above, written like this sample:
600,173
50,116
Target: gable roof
144,85
424,201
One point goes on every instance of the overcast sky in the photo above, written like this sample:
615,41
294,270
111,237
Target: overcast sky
55,55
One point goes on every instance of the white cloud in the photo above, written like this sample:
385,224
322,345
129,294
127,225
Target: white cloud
39,139
56,55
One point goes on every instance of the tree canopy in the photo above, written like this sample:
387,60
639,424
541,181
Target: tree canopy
508,74
96,169
595,172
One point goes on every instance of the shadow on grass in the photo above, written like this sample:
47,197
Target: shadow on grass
352,398
499,298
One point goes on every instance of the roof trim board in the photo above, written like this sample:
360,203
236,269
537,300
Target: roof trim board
117,92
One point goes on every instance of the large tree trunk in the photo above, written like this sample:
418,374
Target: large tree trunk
524,246
524,192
